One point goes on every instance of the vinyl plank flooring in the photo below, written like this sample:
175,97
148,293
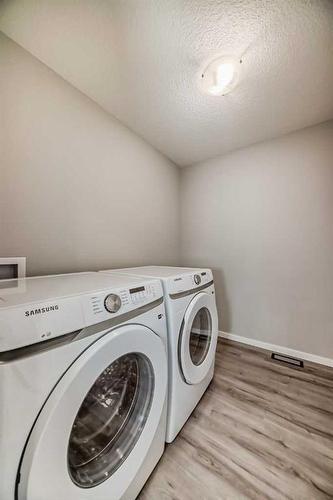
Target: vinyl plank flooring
263,430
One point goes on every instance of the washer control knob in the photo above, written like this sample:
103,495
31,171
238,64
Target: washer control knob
112,303
197,279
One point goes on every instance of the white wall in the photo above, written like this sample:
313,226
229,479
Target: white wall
262,218
78,190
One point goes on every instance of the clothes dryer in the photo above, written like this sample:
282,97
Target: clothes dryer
192,336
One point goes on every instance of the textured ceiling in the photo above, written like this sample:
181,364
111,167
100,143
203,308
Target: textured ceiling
140,60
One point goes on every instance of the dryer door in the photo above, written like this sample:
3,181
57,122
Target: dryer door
197,341
97,425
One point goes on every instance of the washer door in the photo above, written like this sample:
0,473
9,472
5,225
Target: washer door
197,341
97,425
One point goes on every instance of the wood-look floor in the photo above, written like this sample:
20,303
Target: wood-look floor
263,430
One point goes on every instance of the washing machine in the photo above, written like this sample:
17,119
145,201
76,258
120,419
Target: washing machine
83,386
192,336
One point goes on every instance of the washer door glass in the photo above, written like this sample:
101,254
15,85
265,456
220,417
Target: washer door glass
110,420
200,336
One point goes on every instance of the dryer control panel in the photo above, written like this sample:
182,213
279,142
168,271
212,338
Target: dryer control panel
189,281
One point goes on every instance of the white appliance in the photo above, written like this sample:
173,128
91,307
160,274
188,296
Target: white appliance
83,385
192,336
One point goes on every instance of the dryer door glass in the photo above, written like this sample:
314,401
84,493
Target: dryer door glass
110,420
200,336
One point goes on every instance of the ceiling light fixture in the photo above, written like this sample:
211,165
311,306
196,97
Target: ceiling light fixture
220,76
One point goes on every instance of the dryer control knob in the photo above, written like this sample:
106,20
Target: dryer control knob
197,279
112,303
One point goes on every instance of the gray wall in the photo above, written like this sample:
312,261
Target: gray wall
78,190
262,218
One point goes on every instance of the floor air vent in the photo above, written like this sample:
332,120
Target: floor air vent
287,359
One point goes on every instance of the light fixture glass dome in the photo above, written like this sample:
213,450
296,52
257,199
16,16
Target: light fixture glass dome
220,76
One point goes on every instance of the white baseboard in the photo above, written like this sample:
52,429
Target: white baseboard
278,348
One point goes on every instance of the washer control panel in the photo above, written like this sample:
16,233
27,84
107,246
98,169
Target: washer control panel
44,312
103,305
140,294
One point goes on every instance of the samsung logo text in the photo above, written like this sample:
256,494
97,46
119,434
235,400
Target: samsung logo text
41,310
